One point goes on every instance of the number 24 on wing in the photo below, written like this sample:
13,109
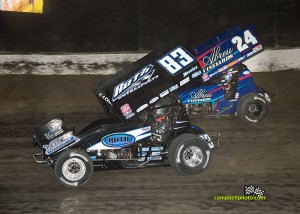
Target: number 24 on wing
247,37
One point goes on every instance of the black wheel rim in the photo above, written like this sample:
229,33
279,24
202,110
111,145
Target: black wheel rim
255,109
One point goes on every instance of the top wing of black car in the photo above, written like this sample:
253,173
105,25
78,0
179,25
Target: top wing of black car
140,85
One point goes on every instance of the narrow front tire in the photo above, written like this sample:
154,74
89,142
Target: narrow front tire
74,168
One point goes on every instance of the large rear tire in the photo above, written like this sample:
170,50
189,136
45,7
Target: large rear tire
252,108
74,168
189,154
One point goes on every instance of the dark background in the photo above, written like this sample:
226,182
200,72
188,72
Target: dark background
137,25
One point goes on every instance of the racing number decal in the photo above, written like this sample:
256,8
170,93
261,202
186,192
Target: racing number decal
248,37
176,60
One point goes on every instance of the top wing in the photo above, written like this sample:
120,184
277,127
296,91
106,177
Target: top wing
140,85
227,49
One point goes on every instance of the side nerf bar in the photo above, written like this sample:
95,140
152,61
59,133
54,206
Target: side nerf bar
38,161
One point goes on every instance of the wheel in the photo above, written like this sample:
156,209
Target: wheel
252,108
74,168
188,154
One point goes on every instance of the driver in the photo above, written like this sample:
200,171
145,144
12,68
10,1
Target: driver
162,117
226,79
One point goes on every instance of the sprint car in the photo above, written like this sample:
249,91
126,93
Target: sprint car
234,93
226,86
147,123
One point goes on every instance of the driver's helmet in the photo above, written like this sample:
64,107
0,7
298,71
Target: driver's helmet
160,111
226,78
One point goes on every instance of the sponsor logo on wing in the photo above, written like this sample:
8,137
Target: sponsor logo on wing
196,74
215,58
173,88
137,81
153,100
164,93
199,96
127,111
185,74
141,108
184,81
106,99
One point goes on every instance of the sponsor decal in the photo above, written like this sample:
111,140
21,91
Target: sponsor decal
127,111
178,154
237,95
118,140
241,58
196,74
55,127
59,143
184,81
216,58
105,98
141,108
141,78
257,48
173,88
225,67
208,140
74,154
176,60
259,98
207,160
153,100
164,93
155,158
190,71
246,72
146,129
199,96
205,77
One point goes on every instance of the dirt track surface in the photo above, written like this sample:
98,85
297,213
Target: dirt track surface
266,155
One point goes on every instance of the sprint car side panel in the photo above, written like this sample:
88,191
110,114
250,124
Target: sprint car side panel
245,84
213,93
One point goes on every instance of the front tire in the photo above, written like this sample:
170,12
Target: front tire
189,154
252,108
74,168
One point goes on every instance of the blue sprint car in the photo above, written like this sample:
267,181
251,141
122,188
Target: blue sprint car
232,93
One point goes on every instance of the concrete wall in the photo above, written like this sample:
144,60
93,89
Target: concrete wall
104,64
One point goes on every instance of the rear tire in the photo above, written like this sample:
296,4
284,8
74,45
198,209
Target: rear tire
74,168
188,154
252,108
